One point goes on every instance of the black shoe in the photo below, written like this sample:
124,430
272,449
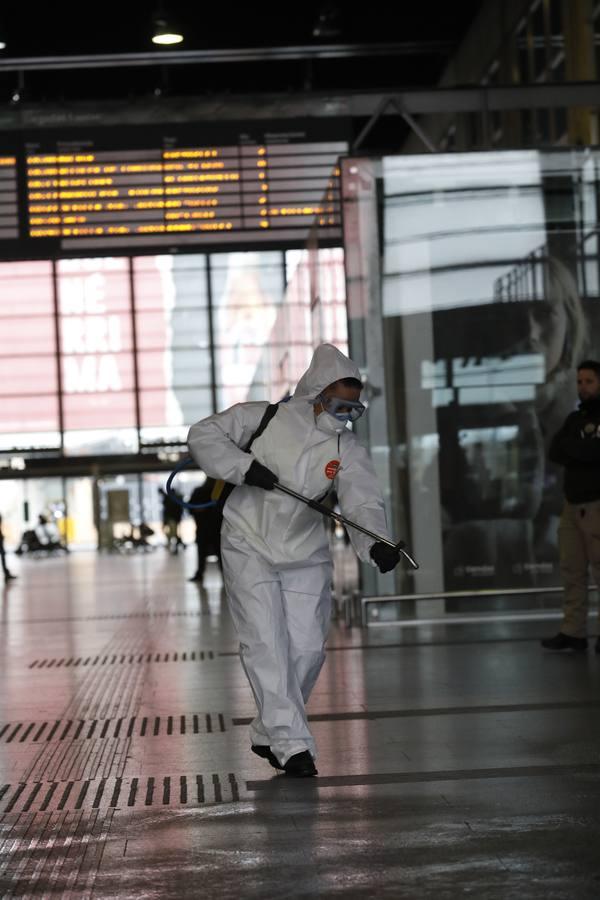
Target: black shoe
196,578
265,753
9,577
300,765
563,641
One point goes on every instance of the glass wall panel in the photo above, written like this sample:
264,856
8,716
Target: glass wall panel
193,368
25,336
173,340
80,528
247,290
163,408
23,501
96,348
313,311
124,351
22,375
29,414
328,297
166,282
482,270
30,423
102,440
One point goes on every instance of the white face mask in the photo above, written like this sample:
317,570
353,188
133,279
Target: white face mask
329,424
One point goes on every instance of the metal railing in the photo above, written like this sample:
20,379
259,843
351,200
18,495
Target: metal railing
365,602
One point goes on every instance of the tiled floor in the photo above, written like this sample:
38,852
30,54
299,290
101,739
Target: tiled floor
453,761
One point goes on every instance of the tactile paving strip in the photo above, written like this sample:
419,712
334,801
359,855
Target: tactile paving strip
168,614
123,659
118,793
53,834
52,853
135,726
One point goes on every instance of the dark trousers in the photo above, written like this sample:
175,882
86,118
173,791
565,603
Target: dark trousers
206,546
579,545
3,559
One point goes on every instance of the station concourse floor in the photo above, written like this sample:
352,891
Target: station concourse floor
453,761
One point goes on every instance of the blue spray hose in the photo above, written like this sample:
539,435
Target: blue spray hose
188,461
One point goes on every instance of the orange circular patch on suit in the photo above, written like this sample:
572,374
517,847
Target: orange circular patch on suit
331,469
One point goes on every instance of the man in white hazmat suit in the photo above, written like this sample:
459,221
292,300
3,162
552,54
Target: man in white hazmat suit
276,560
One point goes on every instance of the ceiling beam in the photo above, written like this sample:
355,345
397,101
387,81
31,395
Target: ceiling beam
299,105
242,55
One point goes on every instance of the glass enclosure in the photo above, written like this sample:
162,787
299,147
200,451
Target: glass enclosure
472,295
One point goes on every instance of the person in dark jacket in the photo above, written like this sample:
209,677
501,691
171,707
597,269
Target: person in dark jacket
576,446
208,526
171,517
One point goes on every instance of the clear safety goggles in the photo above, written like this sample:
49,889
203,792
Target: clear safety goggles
344,410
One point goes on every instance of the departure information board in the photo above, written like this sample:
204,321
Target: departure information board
9,218
231,193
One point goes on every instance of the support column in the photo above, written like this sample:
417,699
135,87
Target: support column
580,66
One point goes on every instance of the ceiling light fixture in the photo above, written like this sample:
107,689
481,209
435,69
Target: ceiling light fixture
164,32
329,22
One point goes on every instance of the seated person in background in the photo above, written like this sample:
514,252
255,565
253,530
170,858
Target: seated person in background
48,534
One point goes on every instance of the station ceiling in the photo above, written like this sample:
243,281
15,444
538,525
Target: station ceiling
298,47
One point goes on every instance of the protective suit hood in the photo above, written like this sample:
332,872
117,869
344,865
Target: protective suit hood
327,365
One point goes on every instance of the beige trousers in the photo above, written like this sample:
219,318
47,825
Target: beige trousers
579,548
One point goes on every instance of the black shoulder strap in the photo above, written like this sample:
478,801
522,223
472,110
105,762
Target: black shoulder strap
223,489
267,416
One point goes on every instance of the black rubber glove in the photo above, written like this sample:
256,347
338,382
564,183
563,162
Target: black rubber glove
259,476
387,558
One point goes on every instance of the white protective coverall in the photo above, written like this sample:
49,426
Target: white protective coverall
275,550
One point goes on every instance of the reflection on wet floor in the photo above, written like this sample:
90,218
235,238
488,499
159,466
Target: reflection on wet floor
453,759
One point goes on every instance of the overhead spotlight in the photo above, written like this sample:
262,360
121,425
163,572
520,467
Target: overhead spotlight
2,44
164,32
18,93
328,24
